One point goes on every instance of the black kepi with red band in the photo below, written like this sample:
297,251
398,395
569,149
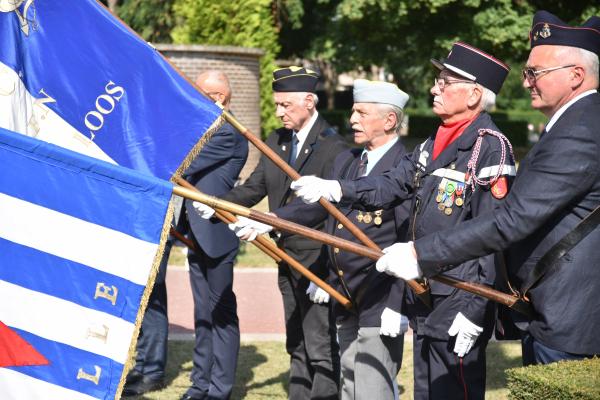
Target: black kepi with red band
476,65
548,29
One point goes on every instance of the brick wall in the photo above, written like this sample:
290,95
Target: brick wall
241,66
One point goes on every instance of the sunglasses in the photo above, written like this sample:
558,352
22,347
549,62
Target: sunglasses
531,74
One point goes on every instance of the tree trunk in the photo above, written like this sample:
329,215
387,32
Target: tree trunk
112,5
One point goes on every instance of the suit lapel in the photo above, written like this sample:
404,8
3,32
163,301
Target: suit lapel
309,145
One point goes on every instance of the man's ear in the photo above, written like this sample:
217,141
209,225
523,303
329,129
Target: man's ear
475,97
390,121
309,100
577,76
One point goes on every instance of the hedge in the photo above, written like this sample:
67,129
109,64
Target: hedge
564,380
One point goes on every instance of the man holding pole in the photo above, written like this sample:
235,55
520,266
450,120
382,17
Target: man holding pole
310,145
459,172
371,335
216,327
549,222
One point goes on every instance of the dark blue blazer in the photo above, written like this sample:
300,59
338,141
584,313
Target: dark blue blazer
381,290
557,185
214,171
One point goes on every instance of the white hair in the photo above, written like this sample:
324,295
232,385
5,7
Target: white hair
302,95
590,63
384,109
577,55
488,99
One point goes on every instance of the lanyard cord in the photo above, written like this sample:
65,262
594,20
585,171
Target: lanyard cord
472,164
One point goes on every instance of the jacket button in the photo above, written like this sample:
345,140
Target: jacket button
340,226
341,273
336,250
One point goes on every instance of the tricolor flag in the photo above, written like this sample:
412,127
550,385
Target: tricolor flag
73,75
78,238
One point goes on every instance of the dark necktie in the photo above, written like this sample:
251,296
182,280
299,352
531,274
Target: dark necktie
294,149
362,166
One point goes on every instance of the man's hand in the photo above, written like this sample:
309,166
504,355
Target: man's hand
466,334
203,210
310,189
316,294
247,229
392,323
400,260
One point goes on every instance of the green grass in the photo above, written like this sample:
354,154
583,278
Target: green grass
263,369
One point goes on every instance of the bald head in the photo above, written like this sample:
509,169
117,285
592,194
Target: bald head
215,84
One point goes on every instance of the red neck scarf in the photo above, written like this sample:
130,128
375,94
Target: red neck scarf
448,133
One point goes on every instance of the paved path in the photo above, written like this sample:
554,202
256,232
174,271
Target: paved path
259,304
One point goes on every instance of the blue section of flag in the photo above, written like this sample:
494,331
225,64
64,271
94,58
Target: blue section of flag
87,187
46,273
138,109
64,363
95,191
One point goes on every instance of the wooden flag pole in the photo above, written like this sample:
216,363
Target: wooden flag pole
508,300
418,288
270,249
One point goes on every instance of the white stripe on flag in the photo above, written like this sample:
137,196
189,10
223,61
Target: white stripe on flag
65,322
74,239
23,113
17,386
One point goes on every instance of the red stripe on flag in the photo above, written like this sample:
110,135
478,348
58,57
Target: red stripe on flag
16,352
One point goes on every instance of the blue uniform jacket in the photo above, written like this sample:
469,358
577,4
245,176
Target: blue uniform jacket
355,271
214,171
424,179
558,184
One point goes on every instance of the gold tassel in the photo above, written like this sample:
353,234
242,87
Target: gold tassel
129,364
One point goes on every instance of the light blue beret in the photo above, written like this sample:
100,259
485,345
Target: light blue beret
379,92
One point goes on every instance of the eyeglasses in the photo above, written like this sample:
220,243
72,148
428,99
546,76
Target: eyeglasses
443,82
531,74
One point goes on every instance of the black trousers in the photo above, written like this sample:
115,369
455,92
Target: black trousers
310,341
440,374
216,325
151,347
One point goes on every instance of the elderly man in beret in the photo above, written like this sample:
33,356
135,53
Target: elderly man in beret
310,145
371,335
463,170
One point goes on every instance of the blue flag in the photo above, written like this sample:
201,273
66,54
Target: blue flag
78,238
73,75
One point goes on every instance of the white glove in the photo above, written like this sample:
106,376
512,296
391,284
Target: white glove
248,229
203,210
400,261
310,189
393,323
316,294
466,334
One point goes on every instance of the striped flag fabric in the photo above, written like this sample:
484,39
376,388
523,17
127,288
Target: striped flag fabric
73,75
78,239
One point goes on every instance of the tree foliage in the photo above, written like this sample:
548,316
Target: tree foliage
248,23
403,35
151,19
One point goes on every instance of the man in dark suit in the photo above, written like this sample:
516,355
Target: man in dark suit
310,145
449,178
371,335
557,186
214,171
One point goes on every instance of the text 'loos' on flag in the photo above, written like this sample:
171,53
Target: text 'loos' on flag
73,75
78,241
